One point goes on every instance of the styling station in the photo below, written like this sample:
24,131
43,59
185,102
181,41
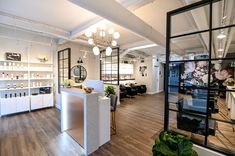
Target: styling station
85,117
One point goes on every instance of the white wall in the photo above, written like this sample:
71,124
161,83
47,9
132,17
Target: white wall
91,62
154,80
30,45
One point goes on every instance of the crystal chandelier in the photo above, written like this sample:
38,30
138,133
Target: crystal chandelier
102,37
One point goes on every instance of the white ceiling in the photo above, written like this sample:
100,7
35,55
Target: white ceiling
59,13
63,14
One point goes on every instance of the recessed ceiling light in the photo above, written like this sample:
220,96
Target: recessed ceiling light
220,50
143,47
221,36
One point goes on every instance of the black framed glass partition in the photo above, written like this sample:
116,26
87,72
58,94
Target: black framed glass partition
64,66
109,67
200,65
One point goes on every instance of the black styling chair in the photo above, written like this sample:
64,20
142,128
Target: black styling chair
123,91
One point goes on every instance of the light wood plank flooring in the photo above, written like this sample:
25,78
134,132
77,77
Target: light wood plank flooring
38,133
139,121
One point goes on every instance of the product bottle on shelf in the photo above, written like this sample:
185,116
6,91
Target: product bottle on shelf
3,75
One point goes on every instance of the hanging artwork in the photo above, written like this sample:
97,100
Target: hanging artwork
13,56
143,70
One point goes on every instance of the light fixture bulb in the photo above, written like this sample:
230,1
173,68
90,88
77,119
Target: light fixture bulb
220,56
88,33
93,30
221,36
102,34
108,51
220,50
96,50
116,35
114,43
90,41
111,31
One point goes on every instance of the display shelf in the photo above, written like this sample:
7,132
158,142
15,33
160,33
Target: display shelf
8,61
33,79
14,79
40,70
5,89
39,63
11,70
40,87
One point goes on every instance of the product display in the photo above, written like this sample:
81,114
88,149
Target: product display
19,80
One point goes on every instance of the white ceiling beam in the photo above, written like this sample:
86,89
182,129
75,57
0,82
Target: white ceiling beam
124,18
16,21
130,4
125,48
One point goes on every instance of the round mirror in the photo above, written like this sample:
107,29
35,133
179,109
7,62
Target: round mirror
78,73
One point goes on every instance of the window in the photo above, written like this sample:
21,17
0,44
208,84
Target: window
110,67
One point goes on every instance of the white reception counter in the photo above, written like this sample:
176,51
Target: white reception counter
86,118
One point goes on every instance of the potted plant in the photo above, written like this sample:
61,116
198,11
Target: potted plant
68,83
109,90
173,145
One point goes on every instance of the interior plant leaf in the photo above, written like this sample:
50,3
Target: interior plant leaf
173,145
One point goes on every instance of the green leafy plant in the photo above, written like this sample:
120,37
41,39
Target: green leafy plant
68,82
173,145
109,90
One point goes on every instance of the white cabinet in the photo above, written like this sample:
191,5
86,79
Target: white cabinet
8,106
14,105
47,100
41,101
104,120
22,104
36,102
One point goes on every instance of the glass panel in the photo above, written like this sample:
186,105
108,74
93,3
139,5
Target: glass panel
61,55
66,54
223,106
223,43
192,101
190,47
222,74
187,125
188,21
66,63
224,138
223,13
188,74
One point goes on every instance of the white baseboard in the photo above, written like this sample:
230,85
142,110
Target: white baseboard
151,93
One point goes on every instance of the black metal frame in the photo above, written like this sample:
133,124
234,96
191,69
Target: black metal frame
118,60
168,50
68,68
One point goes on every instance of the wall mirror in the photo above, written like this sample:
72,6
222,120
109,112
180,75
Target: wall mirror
78,73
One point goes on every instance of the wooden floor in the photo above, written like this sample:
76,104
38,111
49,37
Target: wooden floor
38,133
139,121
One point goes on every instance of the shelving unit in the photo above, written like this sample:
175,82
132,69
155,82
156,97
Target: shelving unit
32,76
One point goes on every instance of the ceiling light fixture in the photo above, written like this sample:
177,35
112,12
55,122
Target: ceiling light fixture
142,47
220,50
96,50
221,36
102,37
